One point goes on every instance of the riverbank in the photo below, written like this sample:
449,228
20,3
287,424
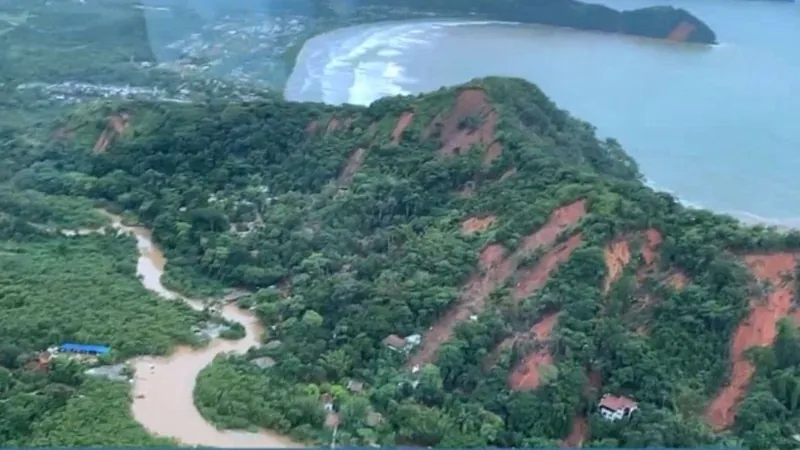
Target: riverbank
163,401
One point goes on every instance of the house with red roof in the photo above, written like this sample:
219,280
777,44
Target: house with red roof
613,407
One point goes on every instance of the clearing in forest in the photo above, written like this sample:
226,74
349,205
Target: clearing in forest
493,152
759,328
533,279
333,125
354,162
471,121
115,126
402,123
578,432
477,224
527,374
496,268
617,255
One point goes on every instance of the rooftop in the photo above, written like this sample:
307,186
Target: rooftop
71,347
617,403
395,341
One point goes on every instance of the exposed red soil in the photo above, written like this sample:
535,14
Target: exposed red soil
578,433
477,224
508,174
527,374
491,256
493,152
678,280
354,162
115,126
758,329
333,125
617,256
471,104
402,123
312,127
653,240
560,219
533,279
496,268
681,32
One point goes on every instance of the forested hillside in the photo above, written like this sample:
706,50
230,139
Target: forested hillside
538,268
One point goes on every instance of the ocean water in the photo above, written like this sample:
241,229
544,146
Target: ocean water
717,126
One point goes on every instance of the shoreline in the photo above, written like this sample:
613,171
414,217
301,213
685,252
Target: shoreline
292,53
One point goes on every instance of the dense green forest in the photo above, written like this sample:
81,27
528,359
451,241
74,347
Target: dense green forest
54,289
349,224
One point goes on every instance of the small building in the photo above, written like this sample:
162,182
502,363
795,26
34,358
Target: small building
272,345
613,407
395,342
413,340
84,349
327,402
265,362
355,386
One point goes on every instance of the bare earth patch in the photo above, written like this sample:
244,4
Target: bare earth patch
757,330
577,434
402,123
527,374
115,126
493,152
678,280
477,224
333,125
681,32
533,279
496,269
354,162
617,256
471,121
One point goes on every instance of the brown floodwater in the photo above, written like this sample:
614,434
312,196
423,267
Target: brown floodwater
162,388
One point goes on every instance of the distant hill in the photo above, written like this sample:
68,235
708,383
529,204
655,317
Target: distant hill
539,270
660,22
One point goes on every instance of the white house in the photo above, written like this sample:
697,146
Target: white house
614,408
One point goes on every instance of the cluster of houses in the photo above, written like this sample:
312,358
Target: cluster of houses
611,407
78,351
373,418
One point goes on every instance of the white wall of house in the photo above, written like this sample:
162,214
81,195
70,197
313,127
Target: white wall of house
610,414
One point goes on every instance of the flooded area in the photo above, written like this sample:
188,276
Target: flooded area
162,388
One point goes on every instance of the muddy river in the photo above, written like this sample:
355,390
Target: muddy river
163,386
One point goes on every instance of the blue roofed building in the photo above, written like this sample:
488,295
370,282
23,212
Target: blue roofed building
85,349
